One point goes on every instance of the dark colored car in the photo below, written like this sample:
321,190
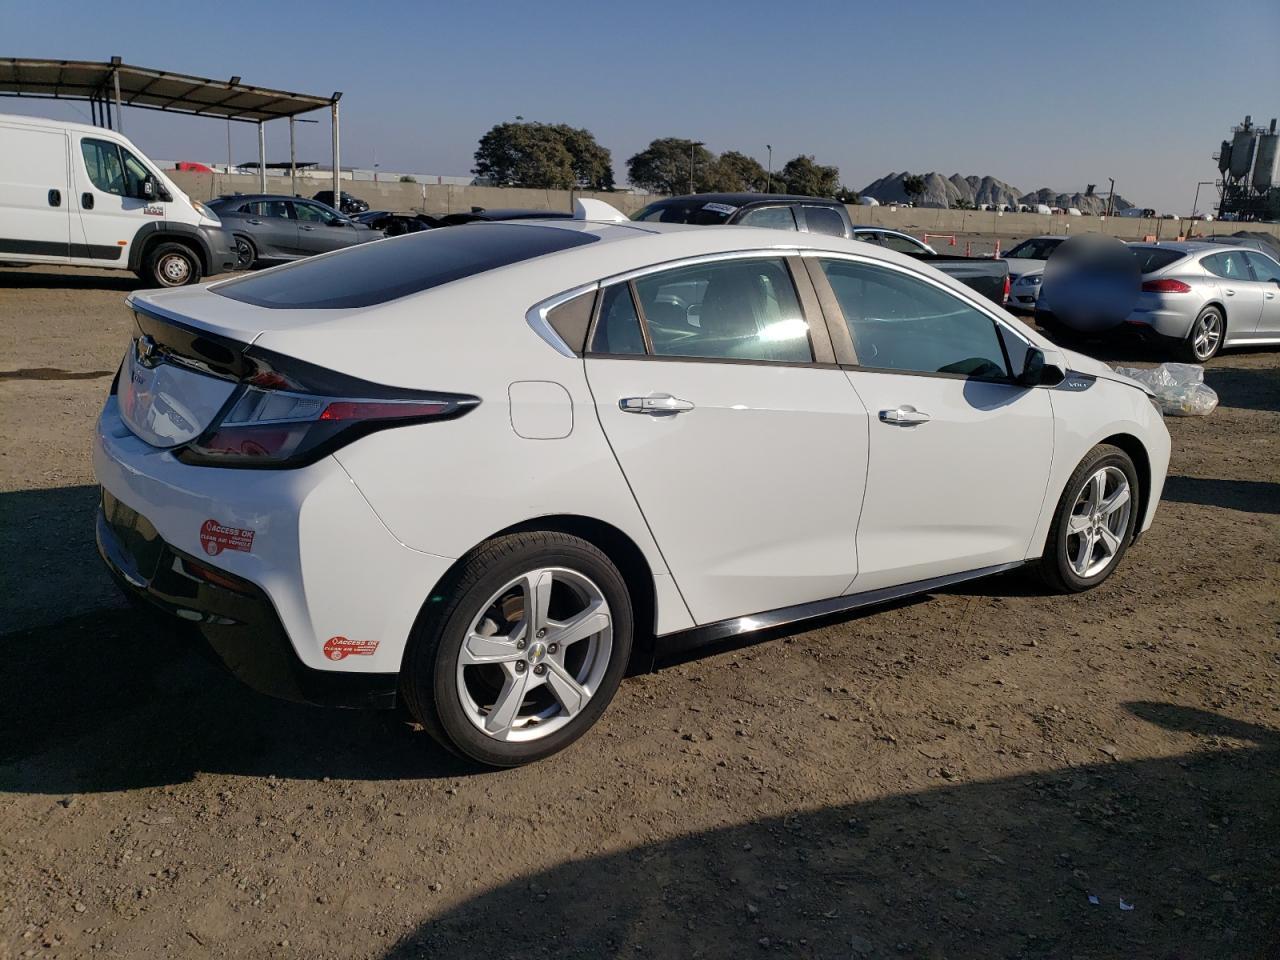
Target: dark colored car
506,213
781,211
349,203
394,224
268,228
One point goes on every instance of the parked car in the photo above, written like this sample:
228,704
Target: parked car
481,215
1267,243
1026,269
269,228
817,215
348,205
394,224
81,195
1201,297
489,468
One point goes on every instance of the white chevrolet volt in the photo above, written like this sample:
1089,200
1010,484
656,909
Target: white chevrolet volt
483,470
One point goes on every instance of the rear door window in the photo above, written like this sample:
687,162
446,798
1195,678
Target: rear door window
824,220
777,218
1230,265
901,244
618,327
731,309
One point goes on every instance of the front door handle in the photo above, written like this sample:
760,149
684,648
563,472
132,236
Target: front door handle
904,416
1231,293
86,201
1270,296
308,228
254,222
656,404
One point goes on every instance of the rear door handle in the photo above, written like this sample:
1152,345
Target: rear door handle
55,198
904,416
1231,293
254,222
308,228
656,404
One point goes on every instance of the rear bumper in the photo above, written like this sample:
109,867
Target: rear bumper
236,617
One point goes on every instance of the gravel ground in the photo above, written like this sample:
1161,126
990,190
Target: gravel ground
958,776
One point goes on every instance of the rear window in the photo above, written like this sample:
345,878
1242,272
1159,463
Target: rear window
1151,259
386,270
697,210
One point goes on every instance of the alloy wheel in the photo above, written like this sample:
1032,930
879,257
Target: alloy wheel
1098,523
1205,336
535,654
244,254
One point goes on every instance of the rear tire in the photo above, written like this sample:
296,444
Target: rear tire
1094,522
484,673
171,265
1205,339
246,253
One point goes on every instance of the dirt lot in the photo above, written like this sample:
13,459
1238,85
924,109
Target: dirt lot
953,777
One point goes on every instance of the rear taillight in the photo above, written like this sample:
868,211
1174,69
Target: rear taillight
1004,297
1166,286
288,414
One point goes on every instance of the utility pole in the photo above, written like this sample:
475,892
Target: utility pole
693,145
1111,196
769,181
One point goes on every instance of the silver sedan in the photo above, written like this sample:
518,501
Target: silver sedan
1206,296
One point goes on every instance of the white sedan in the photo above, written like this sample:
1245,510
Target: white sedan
486,469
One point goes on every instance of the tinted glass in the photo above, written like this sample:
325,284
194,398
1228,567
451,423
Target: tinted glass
775,218
312,213
900,323
736,309
824,220
1151,259
378,272
901,244
102,161
571,320
1038,249
268,208
1229,266
868,236
693,210
1264,268
618,330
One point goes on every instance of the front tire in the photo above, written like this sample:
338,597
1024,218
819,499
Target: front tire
520,649
171,265
1205,339
246,253
1094,522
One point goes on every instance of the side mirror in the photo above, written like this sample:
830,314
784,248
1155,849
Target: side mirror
1037,373
148,189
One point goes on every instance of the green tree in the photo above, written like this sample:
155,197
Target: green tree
542,155
663,166
735,172
963,204
804,176
913,186
848,195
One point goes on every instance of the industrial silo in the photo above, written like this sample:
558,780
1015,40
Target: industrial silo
1264,163
1242,144
1224,157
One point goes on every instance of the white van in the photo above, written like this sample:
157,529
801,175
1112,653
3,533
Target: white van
85,196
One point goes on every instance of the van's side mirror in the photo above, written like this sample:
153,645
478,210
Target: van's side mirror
148,189
1037,373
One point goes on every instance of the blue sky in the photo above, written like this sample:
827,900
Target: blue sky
1038,94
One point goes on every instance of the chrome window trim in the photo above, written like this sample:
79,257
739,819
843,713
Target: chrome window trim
536,317
782,251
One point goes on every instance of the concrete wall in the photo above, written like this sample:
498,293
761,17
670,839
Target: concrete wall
442,199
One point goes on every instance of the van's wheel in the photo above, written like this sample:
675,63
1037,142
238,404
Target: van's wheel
171,265
1206,336
520,649
1094,522
246,253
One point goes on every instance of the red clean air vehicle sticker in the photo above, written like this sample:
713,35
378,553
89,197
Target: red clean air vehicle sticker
337,648
215,538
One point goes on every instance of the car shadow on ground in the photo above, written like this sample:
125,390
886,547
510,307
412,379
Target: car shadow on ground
1244,388
1180,853
1251,496
42,279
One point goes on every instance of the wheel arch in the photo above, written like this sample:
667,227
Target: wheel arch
622,550
1137,452
151,234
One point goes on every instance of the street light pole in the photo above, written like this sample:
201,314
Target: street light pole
768,188
1111,197
1195,204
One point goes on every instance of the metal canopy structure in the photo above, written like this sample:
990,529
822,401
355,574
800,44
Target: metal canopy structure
104,84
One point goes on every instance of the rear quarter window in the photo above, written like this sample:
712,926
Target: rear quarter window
387,270
1151,259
